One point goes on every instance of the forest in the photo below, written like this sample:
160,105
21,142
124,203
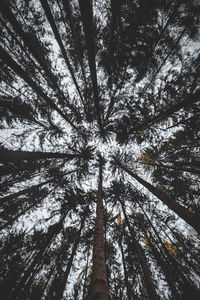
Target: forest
99,150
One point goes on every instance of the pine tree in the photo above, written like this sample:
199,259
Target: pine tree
99,151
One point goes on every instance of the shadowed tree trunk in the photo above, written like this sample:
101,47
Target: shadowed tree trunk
177,41
169,273
99,286
88,27
70,261
76,36
8,60
141,257
22,192
189,217
49,16
129,294
175,273
178,166
20,288
10,155
22,212
187,101
31,42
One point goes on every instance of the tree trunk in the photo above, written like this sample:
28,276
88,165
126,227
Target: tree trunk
10,155
125,272
166,57
99,286
49,16
70,261
87,20
169,273
177,167
141,257
7,12
187,101
32,268
171,268
189,217
22,192
36,202
36,88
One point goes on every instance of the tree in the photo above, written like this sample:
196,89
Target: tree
99,150
99,289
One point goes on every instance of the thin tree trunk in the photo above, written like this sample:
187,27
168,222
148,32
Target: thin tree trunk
192,164
187,101
49,16
85,277
169,273
12,220
36,88
77,41
22,192
125,272
7,12
165,59
182,122
99,286
141,257
52,232
70,261
189,217
171,268
168,167
30,43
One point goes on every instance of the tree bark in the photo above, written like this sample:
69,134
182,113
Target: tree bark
99,286
189,217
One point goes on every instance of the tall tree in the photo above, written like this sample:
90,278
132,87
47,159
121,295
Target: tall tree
182,211
99,288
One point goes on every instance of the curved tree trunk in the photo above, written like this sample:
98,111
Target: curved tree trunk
189,217
99,286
